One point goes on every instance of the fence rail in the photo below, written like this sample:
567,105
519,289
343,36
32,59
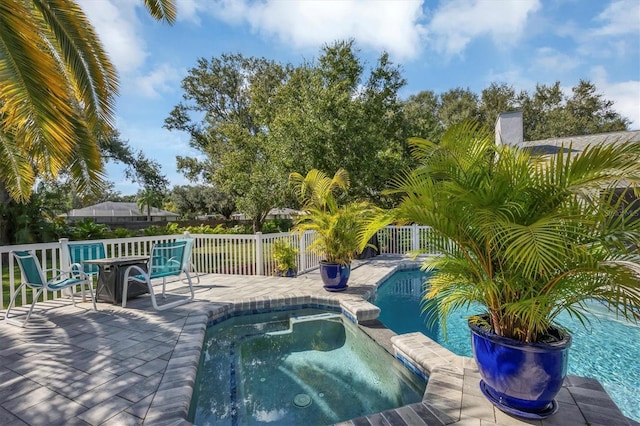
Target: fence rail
212,253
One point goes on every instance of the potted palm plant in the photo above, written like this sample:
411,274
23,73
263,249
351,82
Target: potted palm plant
285,256
526,237
337,227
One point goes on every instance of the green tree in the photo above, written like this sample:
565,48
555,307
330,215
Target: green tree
192,200
421,116
139,169
148,198
591,113
334,113
227,111
549,113
526,237
57,93
495,99
458,105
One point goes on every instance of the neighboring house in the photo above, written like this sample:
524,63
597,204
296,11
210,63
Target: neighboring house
116,212
509,130
278,213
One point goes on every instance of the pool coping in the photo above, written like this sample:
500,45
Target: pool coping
172,400
450,388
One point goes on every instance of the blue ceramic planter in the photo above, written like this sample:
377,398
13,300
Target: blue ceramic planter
520,378
334,275
289,273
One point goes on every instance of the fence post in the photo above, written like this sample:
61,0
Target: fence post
259,254
64,253
302,252
415,237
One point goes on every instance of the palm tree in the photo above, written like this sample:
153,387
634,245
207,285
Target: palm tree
526,237
337,227
148,198
57,92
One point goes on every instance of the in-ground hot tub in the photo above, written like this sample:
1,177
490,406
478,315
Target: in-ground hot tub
305,366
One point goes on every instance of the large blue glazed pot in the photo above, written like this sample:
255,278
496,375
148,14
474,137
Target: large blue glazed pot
520,378
334,275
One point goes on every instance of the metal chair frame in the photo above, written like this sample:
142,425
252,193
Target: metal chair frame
81,251
187,265
34,277
167,259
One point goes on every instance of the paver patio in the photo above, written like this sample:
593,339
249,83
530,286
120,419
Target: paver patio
76,366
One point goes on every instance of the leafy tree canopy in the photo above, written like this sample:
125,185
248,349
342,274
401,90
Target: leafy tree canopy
547,112
192,200
335,113
227,110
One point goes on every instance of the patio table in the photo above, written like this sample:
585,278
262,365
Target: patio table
111,275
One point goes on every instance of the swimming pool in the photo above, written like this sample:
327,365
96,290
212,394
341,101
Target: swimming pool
609,351
296,367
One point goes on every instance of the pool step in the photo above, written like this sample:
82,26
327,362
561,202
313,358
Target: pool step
303,319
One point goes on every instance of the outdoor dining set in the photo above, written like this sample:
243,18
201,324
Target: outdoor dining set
117,278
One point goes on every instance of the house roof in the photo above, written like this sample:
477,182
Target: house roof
579,143
116,209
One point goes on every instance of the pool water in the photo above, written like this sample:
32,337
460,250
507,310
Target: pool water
296,367
608,351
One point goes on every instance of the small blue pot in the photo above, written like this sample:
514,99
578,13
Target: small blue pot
289,273
334,275
520,378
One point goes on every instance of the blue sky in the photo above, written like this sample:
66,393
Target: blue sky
439,44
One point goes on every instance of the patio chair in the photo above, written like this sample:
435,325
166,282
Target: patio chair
34,277
167,260
81,251
188,265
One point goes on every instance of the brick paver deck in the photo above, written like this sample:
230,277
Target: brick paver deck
132,366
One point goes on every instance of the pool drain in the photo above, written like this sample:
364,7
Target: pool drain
302,400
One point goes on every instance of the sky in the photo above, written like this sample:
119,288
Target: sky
440,45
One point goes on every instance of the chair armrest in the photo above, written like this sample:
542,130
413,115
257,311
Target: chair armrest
61,274
76,268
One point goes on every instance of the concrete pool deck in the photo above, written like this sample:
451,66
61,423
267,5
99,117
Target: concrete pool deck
132,366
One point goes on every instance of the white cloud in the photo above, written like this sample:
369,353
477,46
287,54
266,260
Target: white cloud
551,60
190,10
117,26
619,18
456,23
385,25
164,78
616,33
624,94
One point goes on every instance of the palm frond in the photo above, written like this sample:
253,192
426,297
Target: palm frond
162,9
526,236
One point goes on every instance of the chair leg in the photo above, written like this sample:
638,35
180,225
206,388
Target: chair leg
93,299
73,294
171,304
12,301
191,267
33,304
164,287
190,284
125,287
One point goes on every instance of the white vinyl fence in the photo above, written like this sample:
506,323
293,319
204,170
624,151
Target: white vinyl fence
212,253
